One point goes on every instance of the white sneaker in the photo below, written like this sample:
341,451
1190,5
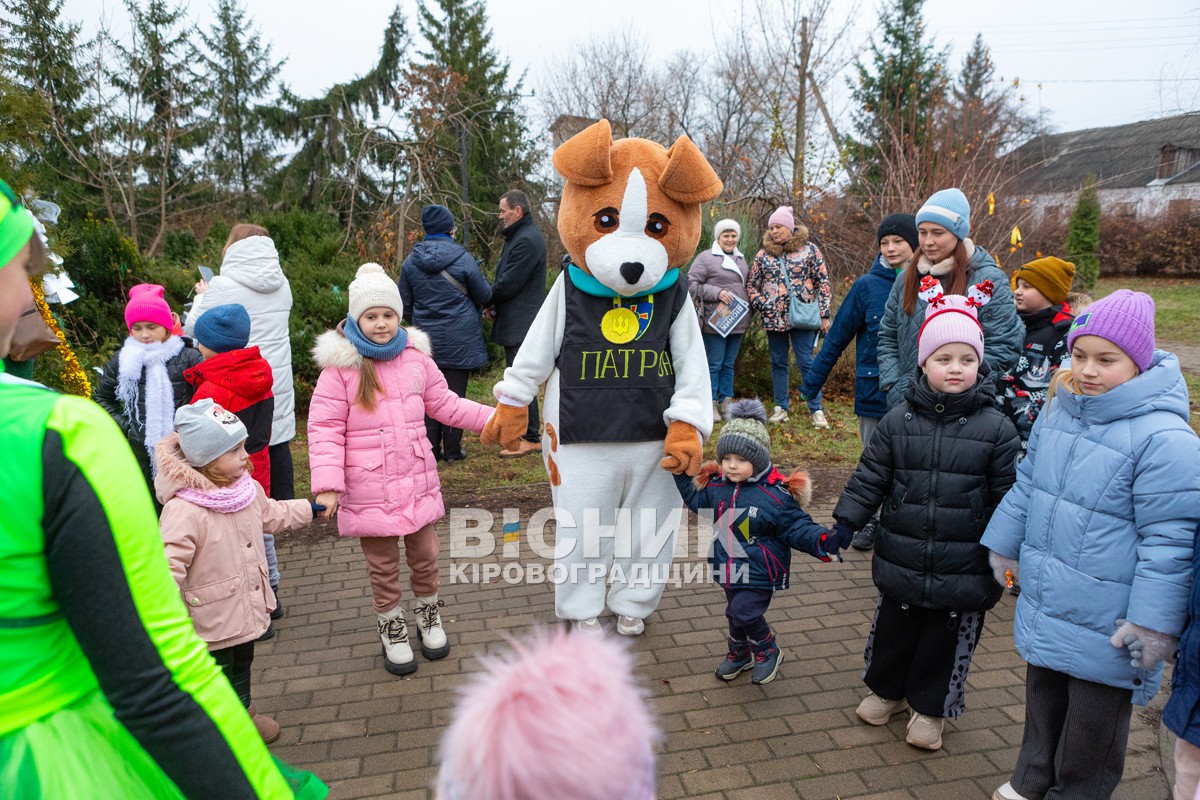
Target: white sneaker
429,628
1007,792
778,415
925,732
874,710
397,653
589,626
630,626
819,420
716,411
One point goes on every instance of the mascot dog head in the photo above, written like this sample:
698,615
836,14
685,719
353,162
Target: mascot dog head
630,210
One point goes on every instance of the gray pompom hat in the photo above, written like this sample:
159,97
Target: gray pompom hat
746,435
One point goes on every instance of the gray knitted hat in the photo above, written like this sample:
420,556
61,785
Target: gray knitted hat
746,435
207,431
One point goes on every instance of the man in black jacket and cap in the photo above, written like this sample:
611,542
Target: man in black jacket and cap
518,292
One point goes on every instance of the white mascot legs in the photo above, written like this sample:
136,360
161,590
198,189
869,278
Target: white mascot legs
618,515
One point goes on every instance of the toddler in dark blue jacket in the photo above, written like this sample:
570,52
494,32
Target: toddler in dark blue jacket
758,520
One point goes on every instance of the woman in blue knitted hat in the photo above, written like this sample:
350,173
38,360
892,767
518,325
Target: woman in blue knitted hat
947,254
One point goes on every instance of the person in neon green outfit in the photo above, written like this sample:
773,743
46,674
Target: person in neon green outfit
105,689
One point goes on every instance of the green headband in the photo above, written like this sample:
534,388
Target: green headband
16,225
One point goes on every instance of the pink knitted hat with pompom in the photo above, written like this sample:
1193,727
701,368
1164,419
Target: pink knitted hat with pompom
951,318
557,717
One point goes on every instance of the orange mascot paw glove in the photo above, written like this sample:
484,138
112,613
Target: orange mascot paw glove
683,448
506,426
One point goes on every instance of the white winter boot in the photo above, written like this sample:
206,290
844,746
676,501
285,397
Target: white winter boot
393,632
429,628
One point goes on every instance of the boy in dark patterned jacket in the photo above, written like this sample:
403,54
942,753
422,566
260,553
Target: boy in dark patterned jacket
1040,290
759,518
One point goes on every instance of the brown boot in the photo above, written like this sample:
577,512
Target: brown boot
268,728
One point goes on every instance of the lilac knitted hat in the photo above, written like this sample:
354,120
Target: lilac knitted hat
783,216
1125,318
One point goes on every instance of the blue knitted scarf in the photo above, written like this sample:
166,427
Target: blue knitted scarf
368,349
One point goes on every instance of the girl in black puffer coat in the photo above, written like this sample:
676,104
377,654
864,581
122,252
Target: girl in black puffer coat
938,464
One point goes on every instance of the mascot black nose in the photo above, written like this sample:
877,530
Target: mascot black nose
631,271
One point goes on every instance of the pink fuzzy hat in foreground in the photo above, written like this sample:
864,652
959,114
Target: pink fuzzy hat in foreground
559,716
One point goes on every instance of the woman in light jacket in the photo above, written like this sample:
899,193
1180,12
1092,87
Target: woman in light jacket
949,256
252,277
716,277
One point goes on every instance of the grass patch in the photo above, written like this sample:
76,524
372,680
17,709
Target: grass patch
795,443
1175,300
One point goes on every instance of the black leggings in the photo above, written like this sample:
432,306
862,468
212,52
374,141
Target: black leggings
445,440
235,663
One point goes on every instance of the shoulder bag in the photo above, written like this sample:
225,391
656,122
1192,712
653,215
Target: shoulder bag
801,316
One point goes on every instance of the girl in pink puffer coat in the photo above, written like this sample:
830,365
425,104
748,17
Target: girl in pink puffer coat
371,460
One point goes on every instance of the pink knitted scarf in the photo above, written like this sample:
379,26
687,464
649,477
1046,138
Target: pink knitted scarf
224,501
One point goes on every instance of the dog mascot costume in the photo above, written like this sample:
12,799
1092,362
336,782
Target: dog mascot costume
618,347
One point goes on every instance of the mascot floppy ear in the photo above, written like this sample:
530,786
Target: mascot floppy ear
688,177
586,158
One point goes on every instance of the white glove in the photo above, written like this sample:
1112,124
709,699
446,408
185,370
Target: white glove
1004,569
1147,649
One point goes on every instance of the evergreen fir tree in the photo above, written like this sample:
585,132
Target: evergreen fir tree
489,125
330,130
986,118
157,64
23,120
238,73
40,55
900,91
1083,237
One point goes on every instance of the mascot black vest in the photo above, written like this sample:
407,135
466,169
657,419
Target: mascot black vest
616,375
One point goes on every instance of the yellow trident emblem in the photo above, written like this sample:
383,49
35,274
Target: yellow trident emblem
619,325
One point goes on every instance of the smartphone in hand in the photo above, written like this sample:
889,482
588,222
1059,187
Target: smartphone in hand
206,273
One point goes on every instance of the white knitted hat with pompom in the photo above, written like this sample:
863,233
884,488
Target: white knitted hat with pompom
373,288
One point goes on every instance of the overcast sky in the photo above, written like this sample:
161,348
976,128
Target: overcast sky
1085,63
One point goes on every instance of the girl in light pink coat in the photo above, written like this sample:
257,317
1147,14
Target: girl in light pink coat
212,524
371,460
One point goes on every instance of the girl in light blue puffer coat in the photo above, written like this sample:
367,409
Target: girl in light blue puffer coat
1100,524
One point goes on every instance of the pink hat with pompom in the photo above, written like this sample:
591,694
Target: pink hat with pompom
557,717
951,318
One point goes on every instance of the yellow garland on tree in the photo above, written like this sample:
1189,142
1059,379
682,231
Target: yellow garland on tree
74,379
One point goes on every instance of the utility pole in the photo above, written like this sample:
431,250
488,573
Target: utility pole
801,111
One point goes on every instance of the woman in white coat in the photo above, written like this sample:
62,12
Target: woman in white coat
252,277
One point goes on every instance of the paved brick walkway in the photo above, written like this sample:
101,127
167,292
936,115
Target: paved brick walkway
369,734
1189,354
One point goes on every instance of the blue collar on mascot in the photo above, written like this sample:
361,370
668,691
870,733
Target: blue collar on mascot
588,284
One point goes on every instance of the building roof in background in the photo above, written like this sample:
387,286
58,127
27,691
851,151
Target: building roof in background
1153,152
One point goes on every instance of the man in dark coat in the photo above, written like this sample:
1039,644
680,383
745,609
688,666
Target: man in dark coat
518,292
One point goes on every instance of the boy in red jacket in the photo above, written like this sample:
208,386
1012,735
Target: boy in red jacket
239,379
